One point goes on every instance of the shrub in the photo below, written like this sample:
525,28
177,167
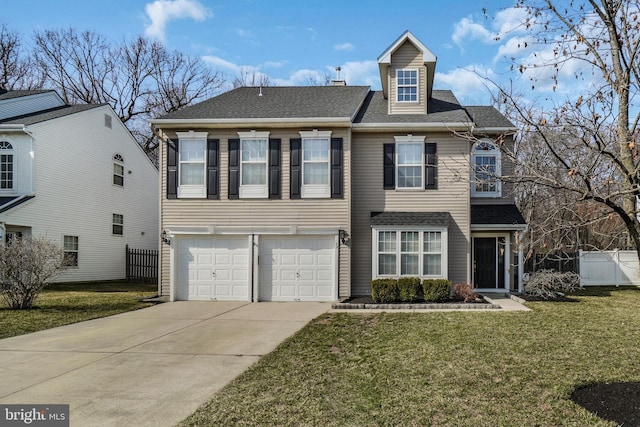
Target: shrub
546,284
464,291
384,291
436,290
408,288
26,266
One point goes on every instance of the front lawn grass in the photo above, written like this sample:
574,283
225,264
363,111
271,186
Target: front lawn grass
445,369
61,304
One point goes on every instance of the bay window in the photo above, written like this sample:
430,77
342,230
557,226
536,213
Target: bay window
410,252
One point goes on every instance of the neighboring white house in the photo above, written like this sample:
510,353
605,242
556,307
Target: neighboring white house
74,174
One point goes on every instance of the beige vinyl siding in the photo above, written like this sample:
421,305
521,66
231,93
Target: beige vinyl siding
310,213
369,196
407,57
507,169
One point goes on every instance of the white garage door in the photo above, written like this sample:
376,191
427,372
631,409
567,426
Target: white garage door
297,268
213,268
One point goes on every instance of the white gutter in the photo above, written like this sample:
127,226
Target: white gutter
292,122
492,227
494,130
376,127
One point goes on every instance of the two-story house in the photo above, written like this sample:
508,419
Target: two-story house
75,175
309,193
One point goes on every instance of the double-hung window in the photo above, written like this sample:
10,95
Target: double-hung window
409,162
118,170
192,164
254,150
485,161
407,83
419,252
7,167
70,251
315,164
118,225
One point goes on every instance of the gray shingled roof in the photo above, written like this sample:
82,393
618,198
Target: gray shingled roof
7,203
53,113
278,102
496,215
488,117
443,107
411,218
20,93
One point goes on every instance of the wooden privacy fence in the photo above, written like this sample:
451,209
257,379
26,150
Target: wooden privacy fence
142,265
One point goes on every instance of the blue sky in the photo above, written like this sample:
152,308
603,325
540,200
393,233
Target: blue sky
295,41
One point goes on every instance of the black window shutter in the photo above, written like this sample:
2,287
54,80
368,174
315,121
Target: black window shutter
336,168
172,169
431,166
234,169
213,169
295,175
274,169
389,167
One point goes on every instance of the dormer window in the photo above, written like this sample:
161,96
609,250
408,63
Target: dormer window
486,161
7,165
407,82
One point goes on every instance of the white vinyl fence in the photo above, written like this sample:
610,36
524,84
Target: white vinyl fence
617,268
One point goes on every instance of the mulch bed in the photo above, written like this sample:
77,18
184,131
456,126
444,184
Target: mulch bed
369,300
617,402
559,298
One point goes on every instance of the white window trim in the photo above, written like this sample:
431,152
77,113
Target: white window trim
444,247
76,251
316,191
192,191
498,155
254,191
409,139
118,160
11,151
417,86
114,223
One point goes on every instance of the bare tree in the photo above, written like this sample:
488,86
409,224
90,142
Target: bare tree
139,79
249,76
26,267
16,68
583,150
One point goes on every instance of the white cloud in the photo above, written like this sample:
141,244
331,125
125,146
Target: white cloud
357,73
160,12
274,64
218,62
467,84
466,29
344,46
243,33
510,20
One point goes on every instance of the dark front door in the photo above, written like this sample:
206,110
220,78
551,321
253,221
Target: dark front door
485,262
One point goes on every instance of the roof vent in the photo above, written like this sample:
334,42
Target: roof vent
338,81
260,93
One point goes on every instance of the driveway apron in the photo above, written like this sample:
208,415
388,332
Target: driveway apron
150,367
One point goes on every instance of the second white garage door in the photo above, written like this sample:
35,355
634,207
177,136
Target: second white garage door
213,268
297,268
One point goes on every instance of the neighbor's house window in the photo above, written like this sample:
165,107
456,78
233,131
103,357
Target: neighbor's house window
192,164
411,252
71,251
118,170
407,82
485,161
254,149
315,164
118,224
7,167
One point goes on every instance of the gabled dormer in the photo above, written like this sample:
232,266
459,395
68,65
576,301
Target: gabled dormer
407,68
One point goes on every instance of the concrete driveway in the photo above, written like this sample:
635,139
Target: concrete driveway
153,366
